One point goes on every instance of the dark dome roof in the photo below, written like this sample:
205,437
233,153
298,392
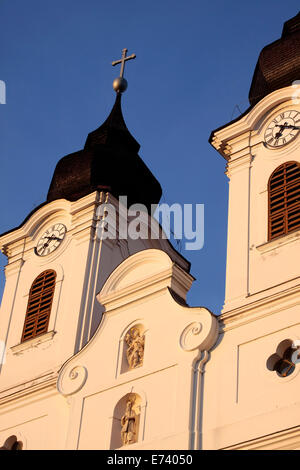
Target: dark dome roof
108,162
278,63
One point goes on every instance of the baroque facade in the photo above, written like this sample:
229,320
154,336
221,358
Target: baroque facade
100,344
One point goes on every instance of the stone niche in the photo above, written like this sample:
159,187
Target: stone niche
126,421
133,348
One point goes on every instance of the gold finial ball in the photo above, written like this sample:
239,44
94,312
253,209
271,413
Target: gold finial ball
120,84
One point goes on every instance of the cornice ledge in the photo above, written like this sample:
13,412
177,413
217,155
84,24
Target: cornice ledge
220,139
241,162
59,205
173,277
256,310
284,438
13,267
35,385
86,202
143,273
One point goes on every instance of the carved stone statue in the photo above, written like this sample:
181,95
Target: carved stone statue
129,424
135,351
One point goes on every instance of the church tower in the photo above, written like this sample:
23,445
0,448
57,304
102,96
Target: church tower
254,368
58,244
94,322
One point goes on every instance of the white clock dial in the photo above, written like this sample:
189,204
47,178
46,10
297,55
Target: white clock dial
51,240
283,129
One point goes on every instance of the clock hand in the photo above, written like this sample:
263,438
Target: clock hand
44,248
288,126
279,134
48,242
282,127
53,238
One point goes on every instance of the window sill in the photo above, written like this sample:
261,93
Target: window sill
278,242
32,343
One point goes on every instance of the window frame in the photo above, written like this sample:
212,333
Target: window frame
39,305
282,211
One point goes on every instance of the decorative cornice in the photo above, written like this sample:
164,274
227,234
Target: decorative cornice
28,228
240,163
222,139
13,267
37,384
281,440
165,274
79,213
259,308
137,290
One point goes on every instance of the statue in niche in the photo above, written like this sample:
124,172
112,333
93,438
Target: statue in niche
129,424
135,351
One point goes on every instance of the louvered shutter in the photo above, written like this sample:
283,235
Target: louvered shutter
284,200
39,305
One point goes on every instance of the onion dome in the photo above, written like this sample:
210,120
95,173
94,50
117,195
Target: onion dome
109,162
278,64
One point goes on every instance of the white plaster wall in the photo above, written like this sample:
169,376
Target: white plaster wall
82,262
243,400
164,381
39,421
245,404
253,264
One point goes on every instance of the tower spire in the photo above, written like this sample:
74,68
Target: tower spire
109,161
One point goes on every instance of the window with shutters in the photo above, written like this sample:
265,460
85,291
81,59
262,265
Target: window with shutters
39,305
284,200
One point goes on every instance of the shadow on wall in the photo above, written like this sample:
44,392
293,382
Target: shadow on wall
3,262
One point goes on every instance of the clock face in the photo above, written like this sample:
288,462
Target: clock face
51,240
283,129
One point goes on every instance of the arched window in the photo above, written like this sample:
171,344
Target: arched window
12,443
284,200
39,305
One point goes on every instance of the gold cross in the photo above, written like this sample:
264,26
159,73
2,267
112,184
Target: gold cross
123,60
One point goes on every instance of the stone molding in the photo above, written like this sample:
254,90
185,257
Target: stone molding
167,274
32,343
279,242
222,138
282,440
71,379
36,384
260,308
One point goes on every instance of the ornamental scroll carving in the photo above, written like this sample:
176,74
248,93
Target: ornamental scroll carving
135,342
71,380
190,337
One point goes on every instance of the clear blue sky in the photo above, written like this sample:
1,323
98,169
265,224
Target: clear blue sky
195,62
